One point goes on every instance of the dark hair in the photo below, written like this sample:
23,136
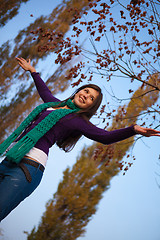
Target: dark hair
68,143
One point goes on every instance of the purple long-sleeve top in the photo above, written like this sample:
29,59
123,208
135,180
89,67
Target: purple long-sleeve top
71,124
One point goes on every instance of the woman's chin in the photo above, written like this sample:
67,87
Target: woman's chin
78,104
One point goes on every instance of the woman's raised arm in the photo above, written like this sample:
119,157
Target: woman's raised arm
42,88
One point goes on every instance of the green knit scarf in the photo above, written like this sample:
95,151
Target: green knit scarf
23,146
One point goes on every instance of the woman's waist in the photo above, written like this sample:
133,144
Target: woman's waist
33,159
37,155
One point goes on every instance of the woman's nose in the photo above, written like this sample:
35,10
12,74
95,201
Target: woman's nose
85,96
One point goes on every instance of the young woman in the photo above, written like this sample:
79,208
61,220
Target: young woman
55,121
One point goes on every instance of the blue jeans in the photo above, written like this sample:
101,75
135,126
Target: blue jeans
14,187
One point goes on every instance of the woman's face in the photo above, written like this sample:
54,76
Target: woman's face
85,97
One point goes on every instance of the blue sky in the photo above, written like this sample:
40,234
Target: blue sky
128,210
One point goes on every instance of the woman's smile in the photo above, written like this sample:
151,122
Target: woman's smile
81,99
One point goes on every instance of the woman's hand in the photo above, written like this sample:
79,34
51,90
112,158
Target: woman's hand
147,132
25,65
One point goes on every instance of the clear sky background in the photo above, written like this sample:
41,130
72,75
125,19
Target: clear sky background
129,210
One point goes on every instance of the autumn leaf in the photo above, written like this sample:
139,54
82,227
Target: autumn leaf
150,31
130,90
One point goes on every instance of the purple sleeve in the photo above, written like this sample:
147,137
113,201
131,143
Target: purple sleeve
100,135
42,89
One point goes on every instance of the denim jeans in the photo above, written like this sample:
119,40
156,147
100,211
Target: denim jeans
14,187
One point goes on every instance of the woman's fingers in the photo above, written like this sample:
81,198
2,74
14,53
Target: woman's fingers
25,64
148,132
22,60
152,132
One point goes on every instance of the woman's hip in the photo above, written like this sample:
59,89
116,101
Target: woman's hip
14,186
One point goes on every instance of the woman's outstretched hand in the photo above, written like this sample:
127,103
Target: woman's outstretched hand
147,132
25,65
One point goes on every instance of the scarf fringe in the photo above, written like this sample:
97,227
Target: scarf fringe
23,125
7,142
17,152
